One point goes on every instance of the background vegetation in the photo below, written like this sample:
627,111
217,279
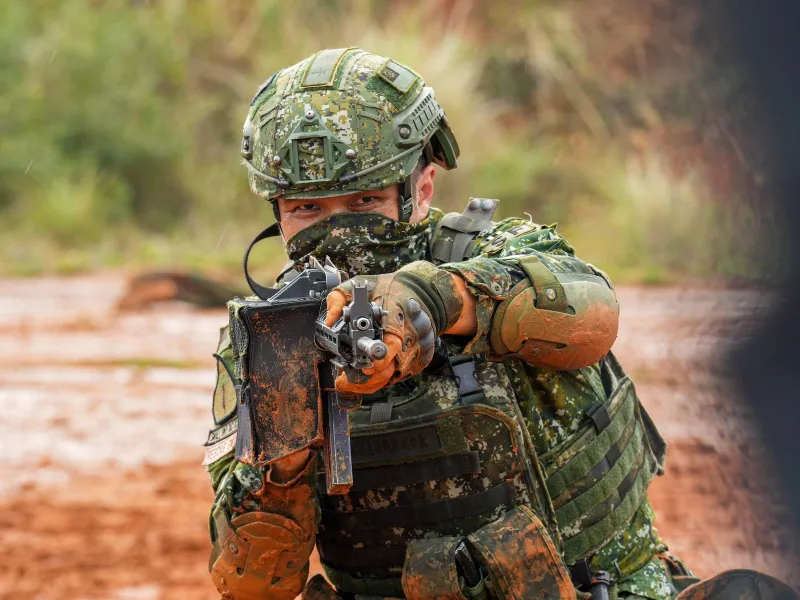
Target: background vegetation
120,124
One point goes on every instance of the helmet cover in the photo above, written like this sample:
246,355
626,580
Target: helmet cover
342,121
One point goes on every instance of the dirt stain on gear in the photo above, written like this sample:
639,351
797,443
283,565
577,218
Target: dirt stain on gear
552,321
363,243
340,121
436,468
263,533
522,559
429,571
419,301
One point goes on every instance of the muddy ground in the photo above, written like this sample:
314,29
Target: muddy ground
103,415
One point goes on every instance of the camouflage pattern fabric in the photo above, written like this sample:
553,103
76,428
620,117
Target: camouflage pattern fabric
363,243
534,566
553,404
340,121
489,434
494,267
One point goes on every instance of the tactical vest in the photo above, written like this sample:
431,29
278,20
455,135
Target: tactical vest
598,477
442,454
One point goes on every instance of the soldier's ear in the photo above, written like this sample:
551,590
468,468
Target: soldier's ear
424,192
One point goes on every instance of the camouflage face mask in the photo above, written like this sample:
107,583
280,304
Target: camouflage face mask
363,243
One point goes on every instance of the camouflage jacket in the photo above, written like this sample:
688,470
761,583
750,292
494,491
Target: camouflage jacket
554,404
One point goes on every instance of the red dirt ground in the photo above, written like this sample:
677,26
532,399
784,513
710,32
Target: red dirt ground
102,494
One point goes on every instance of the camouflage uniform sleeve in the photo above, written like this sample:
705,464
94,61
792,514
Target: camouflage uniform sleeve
496,267
262,531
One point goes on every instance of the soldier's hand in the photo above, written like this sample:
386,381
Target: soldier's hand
408,329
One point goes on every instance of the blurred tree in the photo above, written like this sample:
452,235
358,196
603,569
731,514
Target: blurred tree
120,124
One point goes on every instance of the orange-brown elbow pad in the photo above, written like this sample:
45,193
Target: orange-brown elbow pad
263,555
568,324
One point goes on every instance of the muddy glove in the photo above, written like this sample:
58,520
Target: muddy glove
421,302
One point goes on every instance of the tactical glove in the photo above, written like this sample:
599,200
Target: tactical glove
421,302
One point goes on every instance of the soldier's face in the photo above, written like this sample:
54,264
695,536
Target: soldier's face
297,214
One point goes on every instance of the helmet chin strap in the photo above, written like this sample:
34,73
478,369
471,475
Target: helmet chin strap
405,202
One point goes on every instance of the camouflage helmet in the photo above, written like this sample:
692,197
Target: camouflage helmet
341,121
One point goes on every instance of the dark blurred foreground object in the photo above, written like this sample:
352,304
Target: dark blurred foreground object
165,286
765,43
738,584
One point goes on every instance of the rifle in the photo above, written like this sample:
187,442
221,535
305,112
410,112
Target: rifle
287,359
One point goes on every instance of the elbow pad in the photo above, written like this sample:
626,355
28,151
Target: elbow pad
559,321
264,555
263,552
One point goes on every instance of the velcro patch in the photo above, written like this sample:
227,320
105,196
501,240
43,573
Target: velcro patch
504,237
224,338
395,445
321,72
397,76
221,432
220,449
224,393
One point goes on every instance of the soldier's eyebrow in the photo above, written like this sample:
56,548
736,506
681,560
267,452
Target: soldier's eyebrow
295,202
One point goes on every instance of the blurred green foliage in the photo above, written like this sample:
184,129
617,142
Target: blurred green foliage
120,124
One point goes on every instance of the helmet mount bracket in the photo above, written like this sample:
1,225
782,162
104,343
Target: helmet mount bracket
312,137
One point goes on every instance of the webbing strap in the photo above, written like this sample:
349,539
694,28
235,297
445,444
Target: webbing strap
461,242
600,416
550,294
599,470
453,246
347,557
593,537
433,469
381,412
608,484
597,449
442,250
425,513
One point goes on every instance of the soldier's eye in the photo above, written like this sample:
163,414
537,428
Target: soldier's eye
304,208
366,201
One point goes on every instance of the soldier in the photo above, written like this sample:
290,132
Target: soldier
499,426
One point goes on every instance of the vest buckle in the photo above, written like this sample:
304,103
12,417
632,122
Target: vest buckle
469,390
